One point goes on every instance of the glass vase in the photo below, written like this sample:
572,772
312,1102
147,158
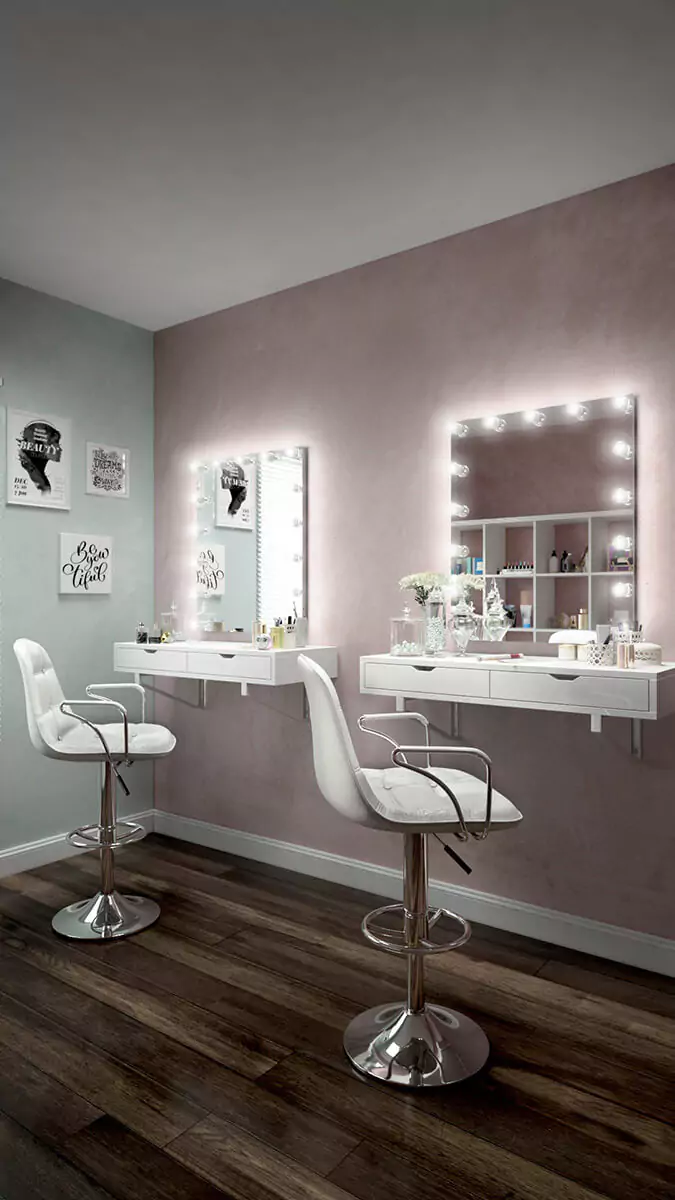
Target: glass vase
407,634
463,624
434,616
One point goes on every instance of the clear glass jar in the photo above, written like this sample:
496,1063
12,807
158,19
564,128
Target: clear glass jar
463,624
407,634
495,619
434,616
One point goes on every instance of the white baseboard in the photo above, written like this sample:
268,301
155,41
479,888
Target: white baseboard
643,950
53,849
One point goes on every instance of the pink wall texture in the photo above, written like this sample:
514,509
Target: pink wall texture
366,368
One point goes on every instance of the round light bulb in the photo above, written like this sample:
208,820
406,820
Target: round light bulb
459,429
622,589
622,496
459,469
458,551
622,542
496,424
459,510
534,417
194,467
578,411
623,404
622,450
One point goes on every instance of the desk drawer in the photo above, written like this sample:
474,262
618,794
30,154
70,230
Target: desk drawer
151,659
448,683
580,691
217,664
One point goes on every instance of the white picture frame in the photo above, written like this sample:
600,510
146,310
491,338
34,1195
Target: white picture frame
232,510
39,459
210,569
85,564
107,471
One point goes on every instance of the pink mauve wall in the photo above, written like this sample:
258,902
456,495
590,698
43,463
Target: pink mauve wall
570,301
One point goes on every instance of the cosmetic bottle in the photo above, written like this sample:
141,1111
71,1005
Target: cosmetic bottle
277,632
155,636
289,634
553,566
301,632
526,616
141,634
262,638
564,561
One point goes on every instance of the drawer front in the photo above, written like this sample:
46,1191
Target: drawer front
215,664
444,682
151,659
582,691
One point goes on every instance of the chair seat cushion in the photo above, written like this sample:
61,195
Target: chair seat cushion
145,741
407,799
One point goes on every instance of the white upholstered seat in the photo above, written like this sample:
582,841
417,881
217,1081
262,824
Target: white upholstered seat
408,799
59,734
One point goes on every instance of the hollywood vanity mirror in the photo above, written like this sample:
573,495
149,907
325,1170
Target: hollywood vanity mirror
543,505
250,540
245,617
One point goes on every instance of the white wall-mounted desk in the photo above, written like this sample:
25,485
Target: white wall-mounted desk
550,684
220,662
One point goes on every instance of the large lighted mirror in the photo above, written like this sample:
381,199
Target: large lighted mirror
251,540
543,506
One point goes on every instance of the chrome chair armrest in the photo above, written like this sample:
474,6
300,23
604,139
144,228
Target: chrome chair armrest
66,707
389,716
398,756
98,690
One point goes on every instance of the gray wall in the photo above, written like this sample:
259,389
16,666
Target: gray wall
99,372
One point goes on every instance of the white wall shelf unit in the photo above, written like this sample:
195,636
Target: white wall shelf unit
220,662
550,684
500,540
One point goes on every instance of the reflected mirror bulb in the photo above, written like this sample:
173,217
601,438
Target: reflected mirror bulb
457,551
623,404
496,424
534,417
622,450
622,589
459,510
622,496
459,469
577,410
622,542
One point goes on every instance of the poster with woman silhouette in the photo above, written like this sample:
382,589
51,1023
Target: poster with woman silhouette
39,451
235,495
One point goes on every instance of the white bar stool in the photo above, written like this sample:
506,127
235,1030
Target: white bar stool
59,732
412,1043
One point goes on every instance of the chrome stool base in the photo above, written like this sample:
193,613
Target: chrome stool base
416,1049
106,916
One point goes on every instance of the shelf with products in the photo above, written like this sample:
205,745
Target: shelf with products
594,538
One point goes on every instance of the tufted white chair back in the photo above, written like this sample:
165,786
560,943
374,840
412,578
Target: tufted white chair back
336,766
46,723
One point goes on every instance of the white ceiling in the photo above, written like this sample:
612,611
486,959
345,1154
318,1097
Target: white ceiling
162,159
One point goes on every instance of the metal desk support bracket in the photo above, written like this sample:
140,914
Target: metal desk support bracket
454,721
596,722
636,737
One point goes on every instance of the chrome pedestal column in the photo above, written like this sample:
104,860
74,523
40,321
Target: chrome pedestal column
415,1044
108,914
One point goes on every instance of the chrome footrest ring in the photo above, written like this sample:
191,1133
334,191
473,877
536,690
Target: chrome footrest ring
393,940
89,837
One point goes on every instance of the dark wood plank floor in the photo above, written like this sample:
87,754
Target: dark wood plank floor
203,1058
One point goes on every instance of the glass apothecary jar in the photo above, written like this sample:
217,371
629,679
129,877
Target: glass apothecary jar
407,634
463,624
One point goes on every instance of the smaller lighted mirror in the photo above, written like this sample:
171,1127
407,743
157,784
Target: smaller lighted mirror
250,540
545,508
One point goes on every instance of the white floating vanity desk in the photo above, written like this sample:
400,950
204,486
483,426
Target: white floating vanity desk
550,684
220,662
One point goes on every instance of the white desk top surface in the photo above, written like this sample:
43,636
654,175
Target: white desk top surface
529,662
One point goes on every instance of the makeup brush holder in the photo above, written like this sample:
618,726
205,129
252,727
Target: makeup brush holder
601,656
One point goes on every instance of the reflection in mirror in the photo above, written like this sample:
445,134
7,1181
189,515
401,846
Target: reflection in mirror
251,541
543,506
